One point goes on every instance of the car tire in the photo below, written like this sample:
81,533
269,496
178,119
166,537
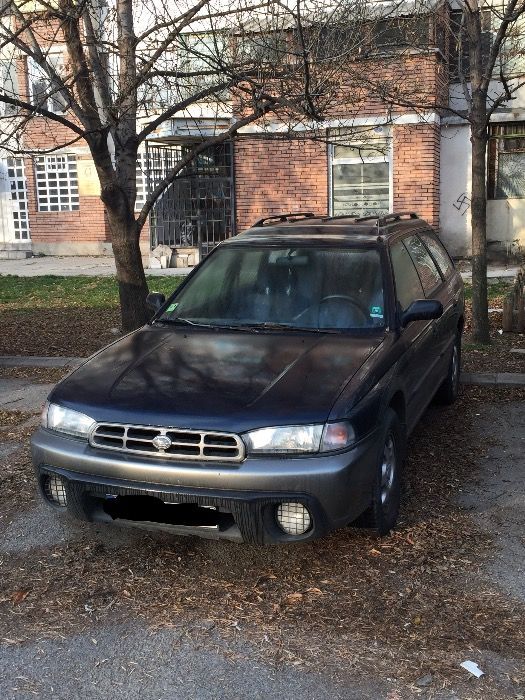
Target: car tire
383,511
449,389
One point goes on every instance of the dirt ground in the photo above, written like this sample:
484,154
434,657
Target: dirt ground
97,612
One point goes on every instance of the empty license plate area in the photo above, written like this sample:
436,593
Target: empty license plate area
152,509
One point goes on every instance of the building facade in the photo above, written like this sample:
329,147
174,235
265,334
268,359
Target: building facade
365,159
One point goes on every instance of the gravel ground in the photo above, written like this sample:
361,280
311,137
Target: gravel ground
92,611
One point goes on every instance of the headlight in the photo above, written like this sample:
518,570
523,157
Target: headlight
65,420
300,438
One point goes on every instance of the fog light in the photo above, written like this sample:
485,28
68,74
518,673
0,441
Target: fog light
293,518
54,489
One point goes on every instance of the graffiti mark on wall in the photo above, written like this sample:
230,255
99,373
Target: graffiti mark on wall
462,203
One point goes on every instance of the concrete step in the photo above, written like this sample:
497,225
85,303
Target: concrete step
8,254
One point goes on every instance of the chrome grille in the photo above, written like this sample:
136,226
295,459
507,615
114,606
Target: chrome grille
184,444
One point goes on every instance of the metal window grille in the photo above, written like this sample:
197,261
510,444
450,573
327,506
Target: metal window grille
17,180
57,183
506,161
196,210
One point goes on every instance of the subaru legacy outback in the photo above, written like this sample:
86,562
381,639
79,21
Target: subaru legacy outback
270,397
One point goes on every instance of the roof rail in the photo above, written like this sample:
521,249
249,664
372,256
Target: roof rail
397,216
283,218
388,218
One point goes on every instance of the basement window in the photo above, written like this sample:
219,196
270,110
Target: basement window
57,183
506,161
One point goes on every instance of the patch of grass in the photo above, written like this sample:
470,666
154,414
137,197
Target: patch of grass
59,292
494,290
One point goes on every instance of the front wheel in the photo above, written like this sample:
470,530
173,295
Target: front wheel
383,511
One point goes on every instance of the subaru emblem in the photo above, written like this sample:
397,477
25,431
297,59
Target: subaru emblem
162,442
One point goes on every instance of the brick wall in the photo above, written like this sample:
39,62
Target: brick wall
86,226
416,170
274,175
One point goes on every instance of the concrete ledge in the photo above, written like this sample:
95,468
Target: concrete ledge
493,378
35,361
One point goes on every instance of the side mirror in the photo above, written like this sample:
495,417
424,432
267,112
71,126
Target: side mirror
422,310
155,300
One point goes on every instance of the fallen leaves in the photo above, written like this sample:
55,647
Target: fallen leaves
19,597
412,601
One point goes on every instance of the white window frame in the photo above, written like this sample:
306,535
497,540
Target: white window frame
380,158
18,183
142,180
54,102
54,173
8,73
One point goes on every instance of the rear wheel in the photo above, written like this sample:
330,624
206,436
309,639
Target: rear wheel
383,511
449,389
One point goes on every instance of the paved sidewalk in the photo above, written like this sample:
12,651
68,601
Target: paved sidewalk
68,266
36,361
495,273
91,265
22,394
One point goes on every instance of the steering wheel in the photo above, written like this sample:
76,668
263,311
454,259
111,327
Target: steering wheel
348,300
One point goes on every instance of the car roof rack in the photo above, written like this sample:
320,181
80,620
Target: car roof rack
283,218
389,218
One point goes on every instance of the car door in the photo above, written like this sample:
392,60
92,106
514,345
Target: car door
434,288
417,357
449,294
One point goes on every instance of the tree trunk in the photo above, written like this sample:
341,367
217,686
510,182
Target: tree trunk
480,313
131,279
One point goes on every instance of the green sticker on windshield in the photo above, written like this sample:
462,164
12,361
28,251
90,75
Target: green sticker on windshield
376,312
171,308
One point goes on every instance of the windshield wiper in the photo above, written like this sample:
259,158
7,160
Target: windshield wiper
183,322
268,325
197,324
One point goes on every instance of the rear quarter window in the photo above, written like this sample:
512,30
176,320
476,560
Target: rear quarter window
426,268
438,252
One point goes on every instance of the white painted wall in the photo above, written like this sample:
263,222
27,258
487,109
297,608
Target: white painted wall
455,189
505,217
506,224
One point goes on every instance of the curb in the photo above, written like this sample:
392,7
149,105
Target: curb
493,378
35,361
480,378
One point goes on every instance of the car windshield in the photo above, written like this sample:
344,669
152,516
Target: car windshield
318,289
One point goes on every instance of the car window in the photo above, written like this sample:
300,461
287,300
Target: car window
299,287
425,266
408,284
439,253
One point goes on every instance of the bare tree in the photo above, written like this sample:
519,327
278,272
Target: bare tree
131,66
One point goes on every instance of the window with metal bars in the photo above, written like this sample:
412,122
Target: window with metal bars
506,161
57,183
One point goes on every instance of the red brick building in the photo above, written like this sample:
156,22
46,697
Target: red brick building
366,158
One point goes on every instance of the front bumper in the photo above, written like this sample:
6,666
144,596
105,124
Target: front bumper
335,488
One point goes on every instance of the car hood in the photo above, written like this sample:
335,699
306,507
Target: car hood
215,380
